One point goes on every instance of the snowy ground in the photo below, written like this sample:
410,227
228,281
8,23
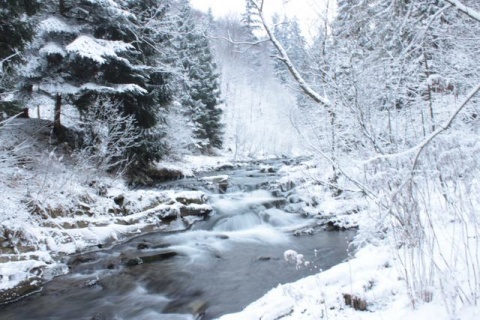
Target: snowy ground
390,276
372,276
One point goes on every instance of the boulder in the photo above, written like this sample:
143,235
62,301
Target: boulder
195,210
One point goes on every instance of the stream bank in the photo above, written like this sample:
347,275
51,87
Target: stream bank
220,265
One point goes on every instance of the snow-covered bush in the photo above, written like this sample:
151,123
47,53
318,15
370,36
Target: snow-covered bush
108,135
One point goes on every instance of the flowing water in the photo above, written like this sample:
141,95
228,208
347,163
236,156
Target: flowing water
218,267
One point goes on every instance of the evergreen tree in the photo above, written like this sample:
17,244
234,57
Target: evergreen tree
15,32
200,90
92,50
251,20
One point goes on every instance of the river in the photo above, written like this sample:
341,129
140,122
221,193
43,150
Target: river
219,266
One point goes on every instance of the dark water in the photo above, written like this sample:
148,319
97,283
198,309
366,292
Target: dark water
219,267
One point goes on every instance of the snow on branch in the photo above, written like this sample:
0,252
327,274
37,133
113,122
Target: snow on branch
283,57
120,88
113,8
53,87
96,49
52,48
472,13
56,25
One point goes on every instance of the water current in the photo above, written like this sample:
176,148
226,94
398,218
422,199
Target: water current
219,266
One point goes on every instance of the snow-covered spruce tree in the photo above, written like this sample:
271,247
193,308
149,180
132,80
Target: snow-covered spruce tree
15,32
89,50
200,90
251,20
140,71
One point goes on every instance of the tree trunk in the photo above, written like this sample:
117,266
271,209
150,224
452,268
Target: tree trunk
429,92
57,125
61,6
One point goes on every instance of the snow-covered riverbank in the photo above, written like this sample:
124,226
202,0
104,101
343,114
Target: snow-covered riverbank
53,206
390,276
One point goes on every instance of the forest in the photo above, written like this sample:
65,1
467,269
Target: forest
377,103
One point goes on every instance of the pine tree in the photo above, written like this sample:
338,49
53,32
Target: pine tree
251,20
15,32
93,50
200,90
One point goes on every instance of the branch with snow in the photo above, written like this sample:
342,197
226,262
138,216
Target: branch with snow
97,49
119,88
283,57
56,25
472,13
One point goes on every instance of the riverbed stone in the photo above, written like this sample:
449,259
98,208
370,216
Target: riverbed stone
23,288
195,210
135,261
119,200
186,199
196,307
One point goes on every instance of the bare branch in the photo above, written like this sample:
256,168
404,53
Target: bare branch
334,164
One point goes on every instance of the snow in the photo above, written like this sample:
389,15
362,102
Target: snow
219,178
97,49
113,8
56,25
15,272
57,86
51,48
119,88
416,257
392,276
